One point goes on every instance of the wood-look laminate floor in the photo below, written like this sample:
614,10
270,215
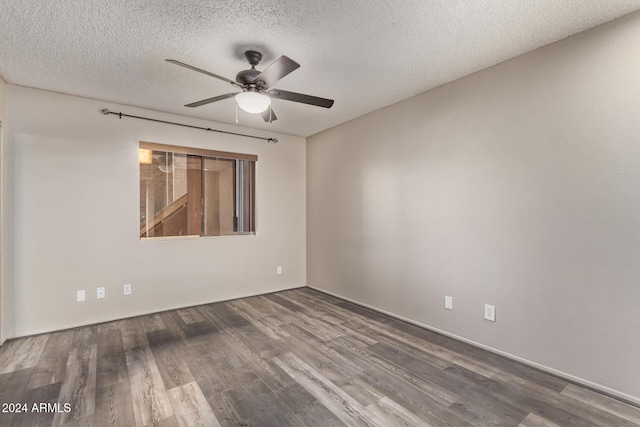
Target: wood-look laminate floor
293,358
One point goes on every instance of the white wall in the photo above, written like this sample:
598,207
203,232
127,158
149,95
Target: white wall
74,216
517,186
3,332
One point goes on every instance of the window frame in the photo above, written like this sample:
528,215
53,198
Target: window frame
206,154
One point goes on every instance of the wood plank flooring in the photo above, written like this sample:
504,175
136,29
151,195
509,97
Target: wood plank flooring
293,358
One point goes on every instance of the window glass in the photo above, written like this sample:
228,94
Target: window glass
183,194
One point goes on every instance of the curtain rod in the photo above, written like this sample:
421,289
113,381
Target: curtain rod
106,112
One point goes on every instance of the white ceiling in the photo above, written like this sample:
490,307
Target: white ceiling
365,54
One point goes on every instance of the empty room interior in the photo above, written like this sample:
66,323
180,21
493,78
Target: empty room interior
320,213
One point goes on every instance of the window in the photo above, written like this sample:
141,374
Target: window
195,192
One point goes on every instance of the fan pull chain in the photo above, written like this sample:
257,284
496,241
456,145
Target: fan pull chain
236,112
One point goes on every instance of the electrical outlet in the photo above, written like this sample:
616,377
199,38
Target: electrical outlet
448,303
100,293
279,269
127,289
490,312
80,296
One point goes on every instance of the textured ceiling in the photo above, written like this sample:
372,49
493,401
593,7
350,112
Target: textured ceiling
364,54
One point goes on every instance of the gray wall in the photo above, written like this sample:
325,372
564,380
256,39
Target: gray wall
74,217
517,186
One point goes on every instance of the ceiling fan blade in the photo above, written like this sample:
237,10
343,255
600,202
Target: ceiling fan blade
269,116
210,100
274,72
191,67
299,97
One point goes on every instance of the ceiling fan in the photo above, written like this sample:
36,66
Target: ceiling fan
256,94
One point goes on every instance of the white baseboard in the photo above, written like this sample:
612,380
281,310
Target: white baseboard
143,313
627,398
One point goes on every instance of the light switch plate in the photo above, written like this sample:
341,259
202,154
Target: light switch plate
448,303
80,296
100,293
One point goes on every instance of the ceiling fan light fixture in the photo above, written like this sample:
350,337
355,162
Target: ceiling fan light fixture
253,102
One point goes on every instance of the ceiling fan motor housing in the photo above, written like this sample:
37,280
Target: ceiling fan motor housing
248,77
